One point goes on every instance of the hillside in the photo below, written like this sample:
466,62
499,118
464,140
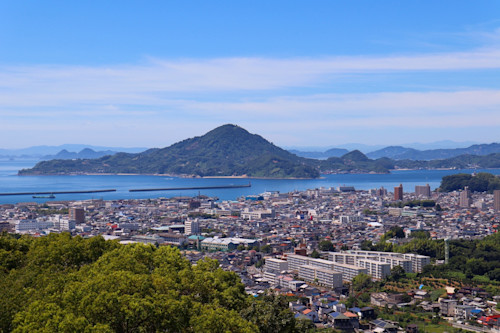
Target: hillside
84,153
333,152
402,153
458,162
482,182
228,150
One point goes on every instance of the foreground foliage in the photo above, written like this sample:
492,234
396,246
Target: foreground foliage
61,283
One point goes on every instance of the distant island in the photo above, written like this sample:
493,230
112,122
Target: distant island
231,151
228,150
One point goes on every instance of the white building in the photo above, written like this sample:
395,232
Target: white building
192,227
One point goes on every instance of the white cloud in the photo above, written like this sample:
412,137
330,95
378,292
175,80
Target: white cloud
166,97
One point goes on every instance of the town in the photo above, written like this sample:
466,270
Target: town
313,246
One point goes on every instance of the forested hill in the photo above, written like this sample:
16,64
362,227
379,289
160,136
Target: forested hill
60,283
482,182
228,150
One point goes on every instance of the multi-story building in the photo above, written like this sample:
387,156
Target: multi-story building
418,262
398,192
423,191
465,199
192,227
352,258
32,225
276,265
257,214
377,269
348,271
295,261
225,244
77,214
496,200
321,276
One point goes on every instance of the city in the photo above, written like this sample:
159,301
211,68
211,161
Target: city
310,245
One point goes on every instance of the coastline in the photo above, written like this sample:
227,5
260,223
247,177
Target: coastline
167,175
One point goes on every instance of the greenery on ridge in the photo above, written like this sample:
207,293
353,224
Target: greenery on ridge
481,182
60,283
228,150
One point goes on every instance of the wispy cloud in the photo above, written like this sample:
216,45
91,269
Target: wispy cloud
280,93
146,83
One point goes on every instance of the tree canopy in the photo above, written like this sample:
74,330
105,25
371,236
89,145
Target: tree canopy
60,283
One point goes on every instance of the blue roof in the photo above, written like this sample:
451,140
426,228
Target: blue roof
355,309
196,237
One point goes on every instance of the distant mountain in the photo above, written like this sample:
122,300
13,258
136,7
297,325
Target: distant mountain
392,152
333,152
83,154
356,162
465,161
41,151
443,144
228,150
402,153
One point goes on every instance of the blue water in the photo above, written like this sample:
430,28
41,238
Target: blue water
10,182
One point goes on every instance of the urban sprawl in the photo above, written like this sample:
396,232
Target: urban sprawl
272,241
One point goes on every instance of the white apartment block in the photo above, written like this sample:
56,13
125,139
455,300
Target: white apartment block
295,261
274,264
377,269
352,259
418,261
32,225
257,214
321,276
192,227
348,271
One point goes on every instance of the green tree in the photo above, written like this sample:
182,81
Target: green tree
361,281
271,314
397,272
326,245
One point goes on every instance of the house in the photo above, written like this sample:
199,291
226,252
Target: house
311,315
382,326
364,313
340,321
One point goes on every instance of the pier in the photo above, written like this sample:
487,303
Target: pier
57,192
190,188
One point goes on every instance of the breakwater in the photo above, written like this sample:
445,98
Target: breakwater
190,188
57,192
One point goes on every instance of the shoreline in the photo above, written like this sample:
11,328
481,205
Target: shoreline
168,175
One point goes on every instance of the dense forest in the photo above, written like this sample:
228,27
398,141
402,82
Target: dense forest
481,182
61,283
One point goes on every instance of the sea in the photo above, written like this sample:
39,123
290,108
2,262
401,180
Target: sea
10,182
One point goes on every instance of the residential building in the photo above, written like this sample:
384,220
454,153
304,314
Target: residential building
423,191
398,192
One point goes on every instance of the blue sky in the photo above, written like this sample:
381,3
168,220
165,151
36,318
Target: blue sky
315,73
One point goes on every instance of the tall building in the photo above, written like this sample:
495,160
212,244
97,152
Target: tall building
465,199
496,200
192,227
77,214
398,192
423,191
